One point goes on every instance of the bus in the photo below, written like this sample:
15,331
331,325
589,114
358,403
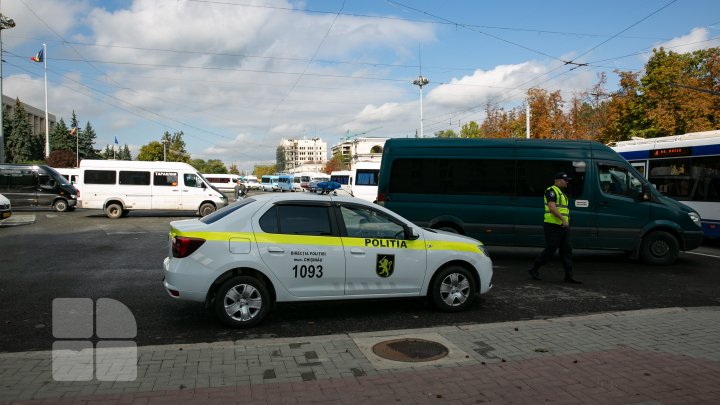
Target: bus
366,175
683,167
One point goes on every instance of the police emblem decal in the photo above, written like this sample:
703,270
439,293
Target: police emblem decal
384,265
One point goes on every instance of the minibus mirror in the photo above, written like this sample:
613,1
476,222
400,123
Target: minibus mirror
410,233
203,185
645,195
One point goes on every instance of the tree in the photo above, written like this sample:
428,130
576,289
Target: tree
152,152
60,138
62,158
22,145
86,142
448,133
337,162
280,158
175,147
263,170
470,130
212,166
234,169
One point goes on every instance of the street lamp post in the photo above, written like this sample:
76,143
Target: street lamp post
420,82
5,23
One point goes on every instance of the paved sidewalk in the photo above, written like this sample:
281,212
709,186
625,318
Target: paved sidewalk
663,356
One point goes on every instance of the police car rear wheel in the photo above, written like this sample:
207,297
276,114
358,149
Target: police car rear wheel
242,302
453,290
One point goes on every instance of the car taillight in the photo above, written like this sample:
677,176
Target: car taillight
183,246
381,199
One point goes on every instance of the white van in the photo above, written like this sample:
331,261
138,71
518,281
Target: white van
120,186
345,178
71,174
251,182
223,182
365,178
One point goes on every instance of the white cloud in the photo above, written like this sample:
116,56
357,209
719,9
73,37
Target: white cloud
697,39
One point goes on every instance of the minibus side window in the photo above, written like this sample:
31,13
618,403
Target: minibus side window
134,178
535,176
99,176
617,180
165,179
191,180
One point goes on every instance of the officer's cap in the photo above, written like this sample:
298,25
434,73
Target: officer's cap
562,175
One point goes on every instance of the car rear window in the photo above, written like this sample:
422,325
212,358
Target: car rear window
225,211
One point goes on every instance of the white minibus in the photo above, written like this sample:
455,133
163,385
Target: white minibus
223,182
120,186
270,182
365,180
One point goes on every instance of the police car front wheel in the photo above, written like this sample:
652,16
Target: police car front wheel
242,302
452,289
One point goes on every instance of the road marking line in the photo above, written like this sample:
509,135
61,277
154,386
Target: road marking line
703,254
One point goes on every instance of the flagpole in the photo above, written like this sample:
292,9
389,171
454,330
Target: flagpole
47,122
77,147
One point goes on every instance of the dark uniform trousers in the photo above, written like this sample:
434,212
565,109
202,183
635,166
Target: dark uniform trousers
556,237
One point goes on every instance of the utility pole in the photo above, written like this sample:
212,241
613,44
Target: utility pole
420,82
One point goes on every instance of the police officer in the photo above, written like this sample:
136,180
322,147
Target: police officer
556,226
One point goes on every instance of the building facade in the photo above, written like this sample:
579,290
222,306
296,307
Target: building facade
366,149
35,116
301,155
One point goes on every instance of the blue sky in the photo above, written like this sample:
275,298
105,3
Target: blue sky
237,76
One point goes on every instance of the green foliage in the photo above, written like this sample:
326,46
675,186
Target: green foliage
262,170
152,152
21,146
470,130
212,166
448,133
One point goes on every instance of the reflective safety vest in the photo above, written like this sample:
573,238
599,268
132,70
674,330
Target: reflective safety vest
562,205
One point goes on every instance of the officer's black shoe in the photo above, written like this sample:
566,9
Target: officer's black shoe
534,274
572,280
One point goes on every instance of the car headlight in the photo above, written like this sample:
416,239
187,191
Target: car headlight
695,218
483,250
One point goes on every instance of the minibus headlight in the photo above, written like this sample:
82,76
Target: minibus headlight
695,218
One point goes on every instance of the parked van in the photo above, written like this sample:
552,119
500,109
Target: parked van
492,190
270,182
251,182
72,175
36,186
120,186
285,182
344,178
223,182
365,177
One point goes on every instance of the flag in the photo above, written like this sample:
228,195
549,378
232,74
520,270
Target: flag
116,141
73,131
39,57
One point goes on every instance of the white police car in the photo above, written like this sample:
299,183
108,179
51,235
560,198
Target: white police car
307,247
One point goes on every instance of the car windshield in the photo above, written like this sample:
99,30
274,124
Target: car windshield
225,211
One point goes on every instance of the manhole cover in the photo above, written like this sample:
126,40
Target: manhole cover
410,350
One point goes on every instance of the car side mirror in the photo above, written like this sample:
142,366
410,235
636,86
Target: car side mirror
203,185
410,233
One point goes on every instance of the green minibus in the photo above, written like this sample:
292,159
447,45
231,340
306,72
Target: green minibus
492,190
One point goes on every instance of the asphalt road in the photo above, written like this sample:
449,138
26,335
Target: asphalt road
85,254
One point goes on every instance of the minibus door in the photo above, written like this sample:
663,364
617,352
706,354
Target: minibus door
621,211
47,189
193,192
166,193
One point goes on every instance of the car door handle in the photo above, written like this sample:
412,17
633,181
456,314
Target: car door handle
357,252
175,191
275,249
604,204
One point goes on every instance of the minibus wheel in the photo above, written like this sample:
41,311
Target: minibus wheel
206,209
113,211
242,302
60,205
659,247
